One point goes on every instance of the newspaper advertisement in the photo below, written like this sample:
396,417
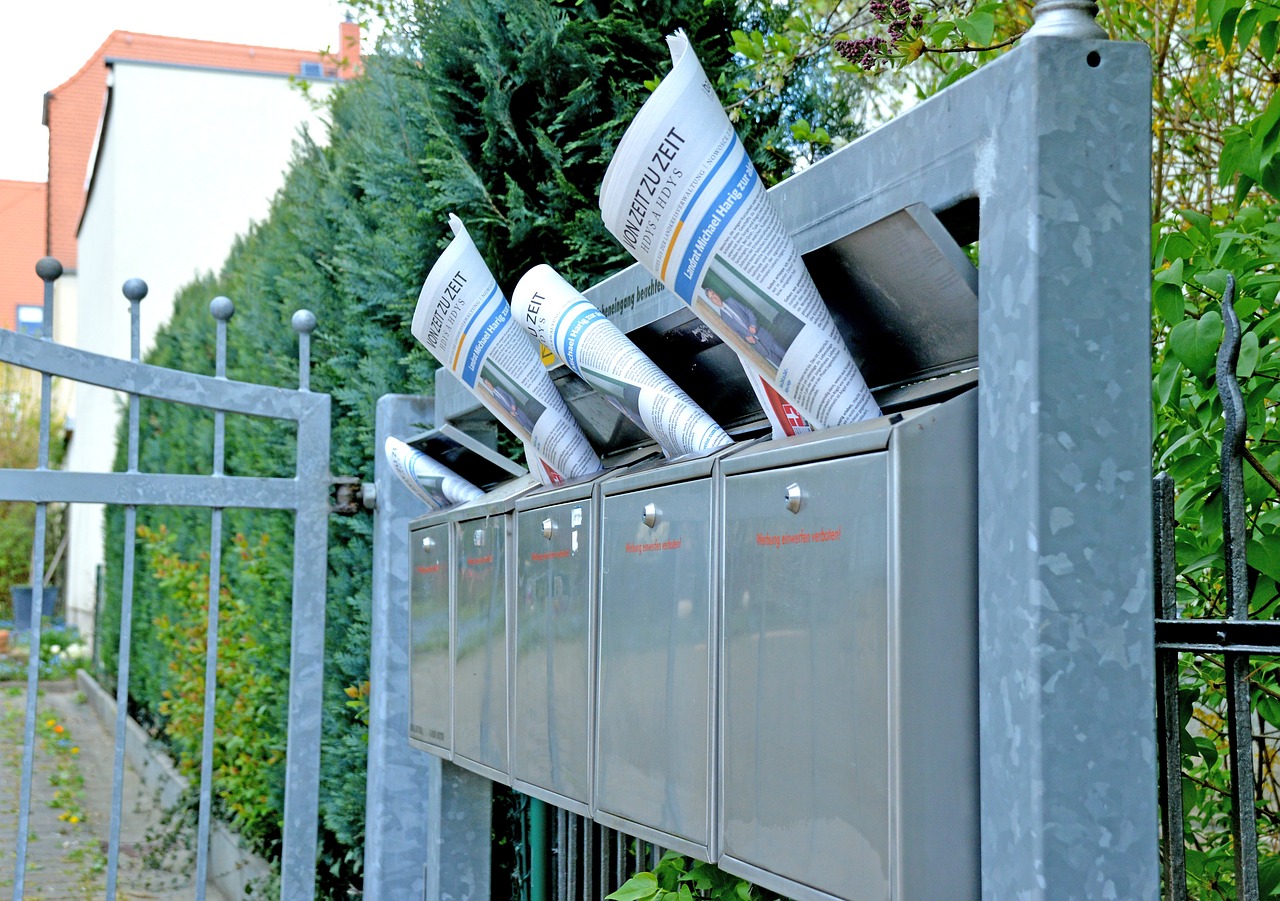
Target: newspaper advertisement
433,483
683,197
784,419
465,321
556,314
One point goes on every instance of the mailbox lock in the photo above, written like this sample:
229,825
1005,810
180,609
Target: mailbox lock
548,528
650,515
477,538
793,497
428,543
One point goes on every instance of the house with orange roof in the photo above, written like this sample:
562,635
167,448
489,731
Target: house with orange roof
161,152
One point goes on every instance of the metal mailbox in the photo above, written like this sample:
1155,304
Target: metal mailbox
768,725
656,665
430,682
848,662
431,605
483,597
552,656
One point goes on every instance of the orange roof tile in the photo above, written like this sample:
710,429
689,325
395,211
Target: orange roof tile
73,109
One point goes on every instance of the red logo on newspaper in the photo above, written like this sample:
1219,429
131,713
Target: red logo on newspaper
554,476
788,416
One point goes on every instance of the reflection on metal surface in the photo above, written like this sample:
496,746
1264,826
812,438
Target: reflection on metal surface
430,672
480,651
551,681
654,710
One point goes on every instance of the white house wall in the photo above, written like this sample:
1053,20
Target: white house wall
187,160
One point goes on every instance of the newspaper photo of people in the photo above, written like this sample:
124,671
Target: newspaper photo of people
761,324
508,394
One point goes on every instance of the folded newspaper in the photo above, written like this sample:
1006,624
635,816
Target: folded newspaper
463,318
431,481
683,197
552,311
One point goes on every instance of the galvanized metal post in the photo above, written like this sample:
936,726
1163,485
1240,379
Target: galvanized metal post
1066,671
306,647
418,809
49,270
222,309
135,289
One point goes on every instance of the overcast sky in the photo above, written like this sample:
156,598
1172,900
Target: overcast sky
50,40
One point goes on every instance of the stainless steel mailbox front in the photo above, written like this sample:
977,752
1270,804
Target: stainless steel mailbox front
430,683
848,717
656,680
551,682
481,613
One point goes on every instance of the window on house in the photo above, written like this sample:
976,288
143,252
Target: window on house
30,321
312,70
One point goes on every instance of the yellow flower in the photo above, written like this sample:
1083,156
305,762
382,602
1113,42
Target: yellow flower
75,819
75,750
51,723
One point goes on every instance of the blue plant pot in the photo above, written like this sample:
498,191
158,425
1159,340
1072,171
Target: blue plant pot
22,605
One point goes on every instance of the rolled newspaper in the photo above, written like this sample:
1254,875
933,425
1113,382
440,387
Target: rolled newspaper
683,197
435,484
552,311
463,318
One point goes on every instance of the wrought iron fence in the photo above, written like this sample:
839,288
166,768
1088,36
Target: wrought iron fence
1236,639
561,856
306,495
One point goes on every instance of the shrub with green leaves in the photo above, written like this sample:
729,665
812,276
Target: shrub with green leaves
680,878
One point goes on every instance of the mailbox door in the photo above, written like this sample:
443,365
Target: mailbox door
430,683
804,680
480,648
653,750
550,709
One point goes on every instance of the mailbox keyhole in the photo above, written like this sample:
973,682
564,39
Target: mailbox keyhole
428,543
548,529
793,497
650,515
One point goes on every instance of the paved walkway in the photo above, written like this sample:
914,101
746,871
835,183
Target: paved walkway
71,809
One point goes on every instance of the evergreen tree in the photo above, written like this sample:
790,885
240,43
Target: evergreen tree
503,112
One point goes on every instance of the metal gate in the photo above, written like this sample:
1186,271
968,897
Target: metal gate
306,495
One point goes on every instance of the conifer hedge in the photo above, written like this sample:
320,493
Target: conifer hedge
503,112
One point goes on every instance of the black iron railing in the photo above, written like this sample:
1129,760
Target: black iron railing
1236,639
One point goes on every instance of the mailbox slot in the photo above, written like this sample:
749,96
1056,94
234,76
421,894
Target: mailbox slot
848,708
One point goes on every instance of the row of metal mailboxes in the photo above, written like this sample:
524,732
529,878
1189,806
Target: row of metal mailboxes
765,657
